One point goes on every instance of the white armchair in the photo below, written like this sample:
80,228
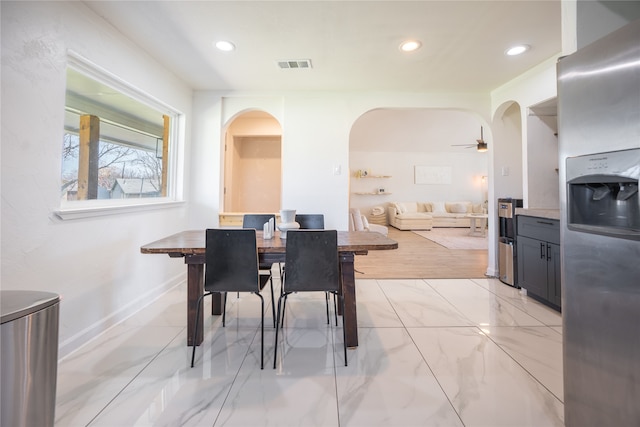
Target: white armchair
359,222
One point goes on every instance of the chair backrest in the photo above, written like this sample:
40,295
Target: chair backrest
231,261
310,221
257,221
312,261
355,220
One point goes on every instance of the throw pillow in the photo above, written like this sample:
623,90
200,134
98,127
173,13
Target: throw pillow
365,222
477,208
438,207
459,208
356,217
377,210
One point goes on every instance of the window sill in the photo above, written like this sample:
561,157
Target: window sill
94,208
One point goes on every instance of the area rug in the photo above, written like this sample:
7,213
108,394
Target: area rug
455,238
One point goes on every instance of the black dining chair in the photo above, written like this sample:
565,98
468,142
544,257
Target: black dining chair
310,221
231,265
256,222
312,265
316,222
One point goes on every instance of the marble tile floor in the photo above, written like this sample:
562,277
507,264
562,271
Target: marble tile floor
446,352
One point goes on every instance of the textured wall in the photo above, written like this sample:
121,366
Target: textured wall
93,263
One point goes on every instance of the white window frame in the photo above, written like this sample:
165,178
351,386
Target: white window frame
77,209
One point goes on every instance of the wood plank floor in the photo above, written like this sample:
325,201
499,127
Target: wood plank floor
420,258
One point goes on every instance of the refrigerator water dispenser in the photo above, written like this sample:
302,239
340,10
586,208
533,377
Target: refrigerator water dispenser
602,193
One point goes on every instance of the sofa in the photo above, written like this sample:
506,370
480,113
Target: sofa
427,215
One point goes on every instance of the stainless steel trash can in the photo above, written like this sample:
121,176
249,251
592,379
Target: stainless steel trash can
29,357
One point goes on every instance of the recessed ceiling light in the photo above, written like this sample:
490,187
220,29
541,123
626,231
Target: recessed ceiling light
517,50
410,45
225,46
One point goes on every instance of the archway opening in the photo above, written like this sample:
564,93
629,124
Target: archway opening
391,144
252,165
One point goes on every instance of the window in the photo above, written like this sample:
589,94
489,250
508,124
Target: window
117,143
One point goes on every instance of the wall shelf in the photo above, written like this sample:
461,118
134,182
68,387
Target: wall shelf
377,191
364,173
371,193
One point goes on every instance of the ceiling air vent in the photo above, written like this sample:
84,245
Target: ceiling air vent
286,64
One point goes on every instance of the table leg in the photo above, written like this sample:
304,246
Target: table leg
477,228
195,288
216,303
349,316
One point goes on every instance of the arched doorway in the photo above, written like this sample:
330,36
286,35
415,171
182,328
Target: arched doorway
390,142
507,158
253,164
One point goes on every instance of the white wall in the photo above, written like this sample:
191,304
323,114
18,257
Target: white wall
93,263
543,157
529,89
507,131
315,143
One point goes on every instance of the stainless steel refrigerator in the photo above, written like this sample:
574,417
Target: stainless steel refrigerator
599,145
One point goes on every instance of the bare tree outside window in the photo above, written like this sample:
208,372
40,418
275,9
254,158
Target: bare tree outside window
114,162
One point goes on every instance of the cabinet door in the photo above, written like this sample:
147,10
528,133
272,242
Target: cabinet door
553,273
532,266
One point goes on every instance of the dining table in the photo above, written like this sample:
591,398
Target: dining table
190,245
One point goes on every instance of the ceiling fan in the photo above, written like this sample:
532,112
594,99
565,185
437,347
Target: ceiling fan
481,146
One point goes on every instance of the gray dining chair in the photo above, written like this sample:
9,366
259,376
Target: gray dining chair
256,222
312,265
231,265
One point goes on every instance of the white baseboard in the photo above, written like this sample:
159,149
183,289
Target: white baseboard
88,334
491,272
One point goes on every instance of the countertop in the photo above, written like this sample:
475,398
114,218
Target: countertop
540,213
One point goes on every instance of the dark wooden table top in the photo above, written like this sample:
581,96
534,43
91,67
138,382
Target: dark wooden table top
192,242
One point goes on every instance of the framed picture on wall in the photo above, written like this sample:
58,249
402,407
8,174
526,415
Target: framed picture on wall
432,174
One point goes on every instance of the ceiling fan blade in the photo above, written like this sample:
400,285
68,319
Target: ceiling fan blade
480,145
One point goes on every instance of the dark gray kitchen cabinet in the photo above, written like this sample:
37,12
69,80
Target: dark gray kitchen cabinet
538,249
553,274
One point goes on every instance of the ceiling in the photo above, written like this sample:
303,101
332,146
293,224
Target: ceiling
352,45
415,130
